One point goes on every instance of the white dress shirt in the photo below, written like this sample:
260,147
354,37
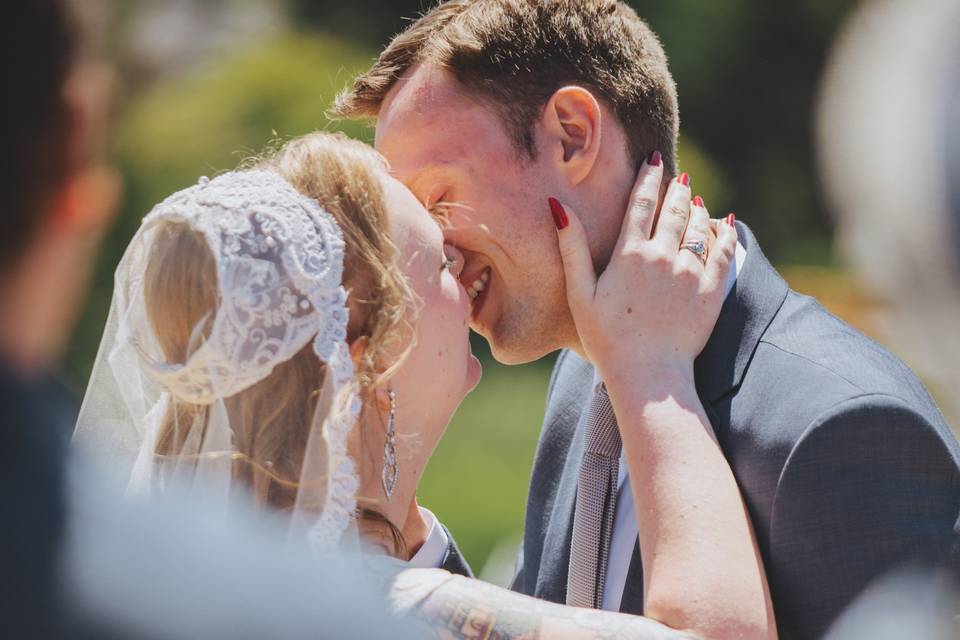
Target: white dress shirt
625,529
433,552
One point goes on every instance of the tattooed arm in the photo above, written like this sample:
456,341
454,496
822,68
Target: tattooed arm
457,608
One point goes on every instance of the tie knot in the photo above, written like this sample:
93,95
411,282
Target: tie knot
603,434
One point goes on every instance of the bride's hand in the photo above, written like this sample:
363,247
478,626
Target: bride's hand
654,307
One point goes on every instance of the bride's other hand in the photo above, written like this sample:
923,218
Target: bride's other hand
655,304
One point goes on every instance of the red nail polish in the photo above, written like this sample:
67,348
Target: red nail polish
559,215
730,219
698,201
684,179
655,159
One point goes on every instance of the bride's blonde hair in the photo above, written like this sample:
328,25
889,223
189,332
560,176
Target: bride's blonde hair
271,419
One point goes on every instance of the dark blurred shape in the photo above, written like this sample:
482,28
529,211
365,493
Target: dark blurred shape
34,118
373,21
76,560
36,50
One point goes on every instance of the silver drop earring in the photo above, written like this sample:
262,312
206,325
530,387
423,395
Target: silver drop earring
389,473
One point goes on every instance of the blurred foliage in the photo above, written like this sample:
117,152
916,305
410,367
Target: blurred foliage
477,480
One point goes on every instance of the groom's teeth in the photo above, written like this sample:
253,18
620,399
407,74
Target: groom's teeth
479,284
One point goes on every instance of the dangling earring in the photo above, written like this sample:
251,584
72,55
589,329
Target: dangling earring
389,474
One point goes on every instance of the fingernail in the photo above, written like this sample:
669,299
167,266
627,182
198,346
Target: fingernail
684,179
698,201
655,159
730,219
559,215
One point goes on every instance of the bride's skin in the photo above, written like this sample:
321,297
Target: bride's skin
434,375
681,482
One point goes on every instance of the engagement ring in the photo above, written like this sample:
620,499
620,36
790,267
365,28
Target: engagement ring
698,248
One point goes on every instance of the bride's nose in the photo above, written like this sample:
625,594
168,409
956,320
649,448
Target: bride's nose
456,257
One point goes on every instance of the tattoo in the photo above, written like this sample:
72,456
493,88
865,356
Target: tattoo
463,609
465,618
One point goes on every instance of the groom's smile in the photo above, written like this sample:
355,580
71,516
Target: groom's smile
455,153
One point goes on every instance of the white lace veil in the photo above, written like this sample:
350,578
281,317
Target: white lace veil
279,267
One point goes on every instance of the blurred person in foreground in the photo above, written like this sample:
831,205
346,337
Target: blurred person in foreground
889,146
74,560
487,109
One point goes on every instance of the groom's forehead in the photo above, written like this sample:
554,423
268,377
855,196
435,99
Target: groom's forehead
430,104
427,119
423,88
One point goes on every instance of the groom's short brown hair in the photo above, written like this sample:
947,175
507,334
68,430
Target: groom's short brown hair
516,53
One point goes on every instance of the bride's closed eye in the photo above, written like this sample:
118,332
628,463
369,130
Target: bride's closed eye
439,209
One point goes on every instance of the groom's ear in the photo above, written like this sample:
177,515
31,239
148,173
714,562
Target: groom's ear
571,132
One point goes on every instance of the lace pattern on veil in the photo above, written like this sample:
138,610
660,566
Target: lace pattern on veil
279,260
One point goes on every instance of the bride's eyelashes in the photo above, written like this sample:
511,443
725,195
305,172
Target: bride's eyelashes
439,209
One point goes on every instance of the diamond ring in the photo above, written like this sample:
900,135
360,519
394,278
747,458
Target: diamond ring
698,248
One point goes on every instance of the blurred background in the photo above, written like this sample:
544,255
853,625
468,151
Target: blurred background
207,83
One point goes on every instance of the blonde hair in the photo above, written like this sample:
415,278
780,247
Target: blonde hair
271,419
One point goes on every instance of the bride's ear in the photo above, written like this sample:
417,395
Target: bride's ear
571,132
382,395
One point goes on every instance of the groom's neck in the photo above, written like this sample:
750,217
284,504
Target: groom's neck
604,223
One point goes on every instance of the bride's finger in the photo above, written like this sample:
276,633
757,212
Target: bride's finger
575,256
721,254
698,233
674,215
642,207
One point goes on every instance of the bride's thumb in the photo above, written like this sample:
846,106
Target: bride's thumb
575,254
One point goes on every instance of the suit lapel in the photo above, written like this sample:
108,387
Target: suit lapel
748,310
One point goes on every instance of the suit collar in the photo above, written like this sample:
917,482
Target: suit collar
757,295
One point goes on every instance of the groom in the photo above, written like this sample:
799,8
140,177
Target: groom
846,465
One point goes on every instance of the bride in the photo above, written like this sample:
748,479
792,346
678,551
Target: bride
296,332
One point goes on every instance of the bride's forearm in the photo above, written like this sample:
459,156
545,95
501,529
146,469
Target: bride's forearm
702,567
458,608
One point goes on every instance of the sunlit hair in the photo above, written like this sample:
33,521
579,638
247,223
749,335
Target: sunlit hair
271,420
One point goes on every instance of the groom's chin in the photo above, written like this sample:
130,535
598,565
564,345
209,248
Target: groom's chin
513,350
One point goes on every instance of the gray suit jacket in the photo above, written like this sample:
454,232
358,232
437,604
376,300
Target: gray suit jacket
846,465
